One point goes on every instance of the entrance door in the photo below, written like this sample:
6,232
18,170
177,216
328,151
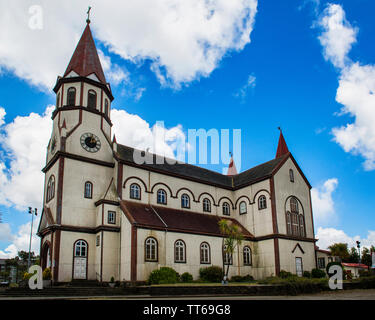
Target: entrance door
80,260
299,268
80,268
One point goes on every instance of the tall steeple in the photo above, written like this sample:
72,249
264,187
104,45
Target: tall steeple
232,170
282,148
85,60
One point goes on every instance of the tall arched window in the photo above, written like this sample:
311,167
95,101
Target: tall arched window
226,209
80,248
302,226
179,251
243,207
185,201
247,256
106,107
262,202
206,205
294,205
50,188
205,253
71,98
135,191
88,189
151,249
288,223
295,224
91,99
161,197
291,175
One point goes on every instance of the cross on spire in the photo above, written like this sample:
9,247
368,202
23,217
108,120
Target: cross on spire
88,15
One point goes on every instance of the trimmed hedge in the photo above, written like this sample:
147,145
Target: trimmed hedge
317,273
164,275
186,277
246,278
211,274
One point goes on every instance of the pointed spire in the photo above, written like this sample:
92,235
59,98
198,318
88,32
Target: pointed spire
85,60
232,170
282,148
114,139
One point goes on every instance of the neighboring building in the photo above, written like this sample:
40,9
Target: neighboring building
354,268
323,257
105,215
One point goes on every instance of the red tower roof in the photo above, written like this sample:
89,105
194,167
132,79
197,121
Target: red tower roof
85,59
232,170
282,147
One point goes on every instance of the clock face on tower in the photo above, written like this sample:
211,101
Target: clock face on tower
90,142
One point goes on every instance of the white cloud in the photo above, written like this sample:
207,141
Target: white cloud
24,142
250,84
184,40
20,240
322,202
2,116
329,236
356,91
5,232
338,35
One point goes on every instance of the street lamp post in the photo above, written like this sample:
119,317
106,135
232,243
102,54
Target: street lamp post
32,212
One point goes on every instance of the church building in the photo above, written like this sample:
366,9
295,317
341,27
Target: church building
104,215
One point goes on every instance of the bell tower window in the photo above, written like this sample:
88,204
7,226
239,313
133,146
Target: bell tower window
71,100
91,99
58,100
106,107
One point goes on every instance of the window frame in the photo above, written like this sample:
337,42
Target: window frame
262,202
106,107
291,175
226,257
153,243
206,205
226,207
90,94
179,245
111,212
98,240
78,245
187,197
239,207
50,192
161,191
69,97
248,255
131,190
86,195
208,250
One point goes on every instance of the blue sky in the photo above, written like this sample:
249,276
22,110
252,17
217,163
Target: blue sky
287,75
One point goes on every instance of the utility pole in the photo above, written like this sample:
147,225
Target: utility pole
32,212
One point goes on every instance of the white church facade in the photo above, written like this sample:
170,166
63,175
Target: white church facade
106,216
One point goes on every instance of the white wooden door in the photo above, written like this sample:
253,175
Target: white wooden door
299,269
80,268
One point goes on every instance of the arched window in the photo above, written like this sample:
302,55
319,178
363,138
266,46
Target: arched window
106,107
293,205
295,224
161,197
50,188
71,99
58,100
185,201
226,209
179,251
91,99
302,226
291,175
135,191
151,249
88,189
262,202
206,205
227,256
288,223
247,256
80,248
243,207
205,253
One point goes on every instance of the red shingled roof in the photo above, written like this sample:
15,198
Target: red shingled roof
355,265
158,217
282,148
85,59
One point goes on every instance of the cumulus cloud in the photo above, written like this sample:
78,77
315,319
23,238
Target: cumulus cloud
2,116
183,40
329,236
356,91
243,91
323,204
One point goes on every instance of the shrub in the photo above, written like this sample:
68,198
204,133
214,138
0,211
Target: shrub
47,275
13,285
211,274
285,274
163,275
307,274
27,276
112,279
364,273
332,264
186,277
317,273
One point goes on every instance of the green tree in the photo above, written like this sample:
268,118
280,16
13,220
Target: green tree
353,255
366,256
232,237
340,250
